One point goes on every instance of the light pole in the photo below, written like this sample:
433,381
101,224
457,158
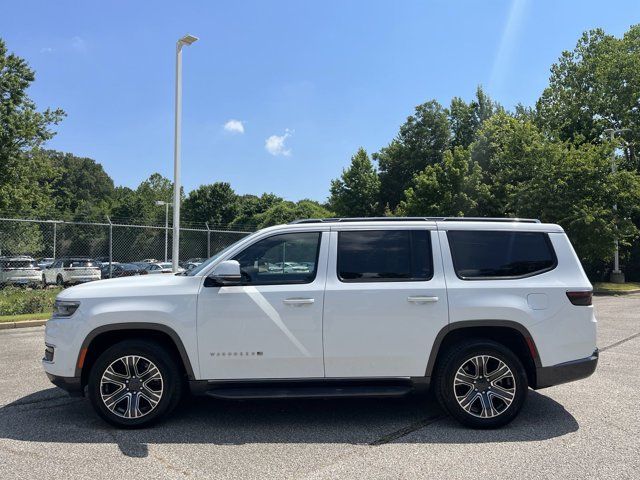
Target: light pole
166,226
175,251
616,276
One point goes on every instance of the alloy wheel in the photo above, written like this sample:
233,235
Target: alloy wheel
484,386
131,386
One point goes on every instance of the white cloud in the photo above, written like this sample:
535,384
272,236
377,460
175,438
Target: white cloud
275,144
46,50
78,44
234,126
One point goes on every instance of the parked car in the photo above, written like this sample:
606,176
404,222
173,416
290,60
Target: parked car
196,260
19,270
104,268
72,270
479,310
45,262
162,267
148,260
190,265
123,270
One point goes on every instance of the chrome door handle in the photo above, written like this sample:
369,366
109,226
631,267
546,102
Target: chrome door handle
421,299
299,301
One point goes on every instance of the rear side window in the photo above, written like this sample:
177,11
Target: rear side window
384,256
479,255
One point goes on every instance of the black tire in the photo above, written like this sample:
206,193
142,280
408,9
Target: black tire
59,281
44,281
487,410
171,384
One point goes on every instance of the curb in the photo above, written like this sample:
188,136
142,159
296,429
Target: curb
610,293
22,324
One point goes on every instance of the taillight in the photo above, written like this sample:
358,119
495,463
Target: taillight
580,298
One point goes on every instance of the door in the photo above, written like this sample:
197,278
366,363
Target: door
271,325
385,301
51,272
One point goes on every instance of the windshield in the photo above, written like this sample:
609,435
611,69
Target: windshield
206,263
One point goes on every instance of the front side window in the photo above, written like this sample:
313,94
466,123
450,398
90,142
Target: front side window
479,255
384,256
281,259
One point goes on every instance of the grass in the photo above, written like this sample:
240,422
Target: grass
608,287
17,304
24,316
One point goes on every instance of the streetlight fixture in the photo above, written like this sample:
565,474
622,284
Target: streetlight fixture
166,205
186,40
616,276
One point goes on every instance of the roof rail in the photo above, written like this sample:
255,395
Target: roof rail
414,219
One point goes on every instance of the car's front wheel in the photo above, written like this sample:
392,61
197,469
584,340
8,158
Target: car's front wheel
481,383
134,383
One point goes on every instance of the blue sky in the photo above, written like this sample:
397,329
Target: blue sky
306,82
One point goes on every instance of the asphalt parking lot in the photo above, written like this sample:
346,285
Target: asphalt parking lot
587,429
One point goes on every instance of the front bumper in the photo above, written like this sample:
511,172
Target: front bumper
566,372
73,385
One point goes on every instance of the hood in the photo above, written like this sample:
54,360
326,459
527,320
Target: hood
142,285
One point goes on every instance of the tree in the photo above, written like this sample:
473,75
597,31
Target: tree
356,192
508,151
422,141
594,87
286,211
216,204
465,119
451,188
574,186
82,187
249,206
22,129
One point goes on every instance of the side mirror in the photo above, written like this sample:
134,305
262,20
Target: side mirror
225,273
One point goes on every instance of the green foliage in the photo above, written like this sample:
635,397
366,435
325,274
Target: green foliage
285,211
574,186
451,188
16,301
215,203
465,119
23,179
250,206
594,87
22,239
422,141
82,187
356,192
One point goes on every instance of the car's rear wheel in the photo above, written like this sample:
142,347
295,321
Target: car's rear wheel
134,383
44,281
481,383
60,281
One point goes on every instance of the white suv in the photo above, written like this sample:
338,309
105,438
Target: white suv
20,270
478,309
66,271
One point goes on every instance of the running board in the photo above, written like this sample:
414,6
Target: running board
302,391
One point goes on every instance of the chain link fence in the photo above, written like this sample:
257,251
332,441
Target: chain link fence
110,241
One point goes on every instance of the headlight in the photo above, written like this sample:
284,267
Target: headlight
64,309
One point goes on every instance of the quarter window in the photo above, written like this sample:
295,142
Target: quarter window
384,256
481,255
281,259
